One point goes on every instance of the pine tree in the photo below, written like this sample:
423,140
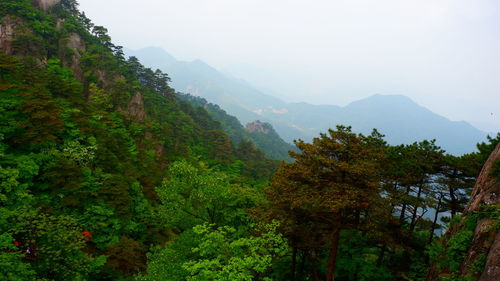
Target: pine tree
328,188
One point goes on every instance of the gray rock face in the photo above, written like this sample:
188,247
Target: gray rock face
256,126
136,108
7,34
76,44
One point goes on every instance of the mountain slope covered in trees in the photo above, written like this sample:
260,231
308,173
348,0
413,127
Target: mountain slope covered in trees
105,174
265,138
85,140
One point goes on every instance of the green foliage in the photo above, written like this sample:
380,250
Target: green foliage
55,243
210,253
357,260
192,196
62,81
485,148
103,223
222,256
11,265
332,181
72,148
167,263
492,212
93,143
99,97
449,255
270,143
477,266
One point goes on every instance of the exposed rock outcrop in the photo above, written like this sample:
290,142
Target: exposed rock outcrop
77,46
482,261
486,239
8,28
13,28
256,126
135,108
487,188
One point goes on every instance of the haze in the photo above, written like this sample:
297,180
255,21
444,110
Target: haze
442,54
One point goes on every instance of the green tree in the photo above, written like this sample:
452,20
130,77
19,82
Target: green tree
11,265
190,196
208,252
223,256
54,244
329,187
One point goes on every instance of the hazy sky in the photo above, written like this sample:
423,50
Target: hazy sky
444,54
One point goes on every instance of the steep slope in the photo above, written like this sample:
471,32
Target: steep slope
471,248
486,240
266,139
85,137
235,96
396,116
200,79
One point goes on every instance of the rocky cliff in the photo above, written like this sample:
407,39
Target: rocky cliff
257,126
478,230
486,241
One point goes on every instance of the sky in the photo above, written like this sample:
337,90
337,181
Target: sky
444,54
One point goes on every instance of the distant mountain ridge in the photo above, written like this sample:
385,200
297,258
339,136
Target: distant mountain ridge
397,116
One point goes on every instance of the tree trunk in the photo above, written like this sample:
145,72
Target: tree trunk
453,198
414,215
313,266
333,254
300,273
357,217
403,208
431,235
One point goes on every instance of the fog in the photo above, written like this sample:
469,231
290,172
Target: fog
442,54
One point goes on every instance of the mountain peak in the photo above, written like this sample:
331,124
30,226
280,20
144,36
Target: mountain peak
390,102
388,98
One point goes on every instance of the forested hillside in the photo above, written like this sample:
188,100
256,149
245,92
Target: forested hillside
105,174
265,139
86,137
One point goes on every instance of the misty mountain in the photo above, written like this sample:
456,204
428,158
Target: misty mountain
235,96
397,116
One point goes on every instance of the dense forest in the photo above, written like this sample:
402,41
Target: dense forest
106,173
